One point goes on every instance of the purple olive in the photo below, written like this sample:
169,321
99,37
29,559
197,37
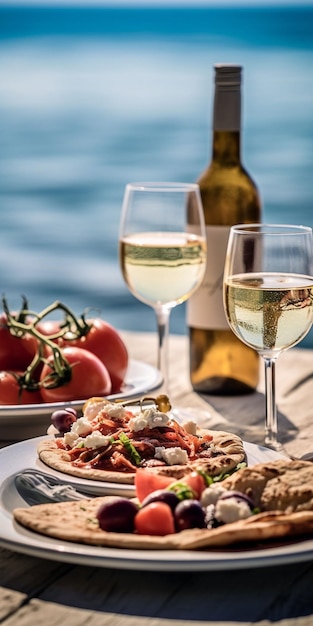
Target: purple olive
63,419
162,495
117,515
238,495
189,514
70,409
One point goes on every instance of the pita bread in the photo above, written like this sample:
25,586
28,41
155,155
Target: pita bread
282,485
60,460
77,522
227,452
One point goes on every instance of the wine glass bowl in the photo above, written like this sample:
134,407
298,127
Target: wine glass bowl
268,296
158,267
162,249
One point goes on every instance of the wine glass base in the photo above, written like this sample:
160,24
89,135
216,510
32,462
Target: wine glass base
276,446
179,415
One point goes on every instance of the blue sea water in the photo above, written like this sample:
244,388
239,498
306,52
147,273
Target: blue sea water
91,99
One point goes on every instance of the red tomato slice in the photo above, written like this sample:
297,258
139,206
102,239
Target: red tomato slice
89,377
195,481
155,519
146,482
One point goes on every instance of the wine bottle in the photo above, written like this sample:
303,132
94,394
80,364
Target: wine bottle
219,362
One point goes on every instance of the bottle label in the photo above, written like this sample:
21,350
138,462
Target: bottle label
205,307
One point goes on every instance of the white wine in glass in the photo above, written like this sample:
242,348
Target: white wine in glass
162,256
268,296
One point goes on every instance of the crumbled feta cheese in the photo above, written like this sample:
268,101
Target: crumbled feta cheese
138,423
190,427
81,426
211,494
52,430
71,439
96,440
158,452
171,456
93,409
231,510
149,418
214,450
156,418
115,411
209,518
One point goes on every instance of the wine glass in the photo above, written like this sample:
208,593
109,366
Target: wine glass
162,249
268,293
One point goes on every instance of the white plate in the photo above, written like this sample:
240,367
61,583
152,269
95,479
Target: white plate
24,421
23,455
13,536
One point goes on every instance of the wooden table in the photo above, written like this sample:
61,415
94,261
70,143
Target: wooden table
36,591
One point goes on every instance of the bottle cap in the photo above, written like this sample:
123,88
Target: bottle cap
228,74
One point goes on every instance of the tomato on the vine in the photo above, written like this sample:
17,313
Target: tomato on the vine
89,377
49,328
16,353
105,342
11,392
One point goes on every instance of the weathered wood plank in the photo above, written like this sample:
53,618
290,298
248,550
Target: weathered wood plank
222,595
38,613
208,596
10,601
26,574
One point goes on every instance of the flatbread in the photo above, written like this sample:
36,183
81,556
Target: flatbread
76,521
282,485
60,460
227,452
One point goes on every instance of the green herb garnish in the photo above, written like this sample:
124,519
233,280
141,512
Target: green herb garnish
135,456
182,491
209,480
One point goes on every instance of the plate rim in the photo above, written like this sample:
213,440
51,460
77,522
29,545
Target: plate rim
19,539
37,411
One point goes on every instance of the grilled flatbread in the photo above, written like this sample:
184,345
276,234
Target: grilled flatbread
129,446
227,452
77,522
281,485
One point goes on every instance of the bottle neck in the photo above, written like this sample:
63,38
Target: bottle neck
226,147
226,120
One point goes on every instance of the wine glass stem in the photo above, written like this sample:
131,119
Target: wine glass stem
163,319
270,409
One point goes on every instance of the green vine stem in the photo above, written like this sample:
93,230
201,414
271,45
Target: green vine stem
21,316
61,369
73,327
